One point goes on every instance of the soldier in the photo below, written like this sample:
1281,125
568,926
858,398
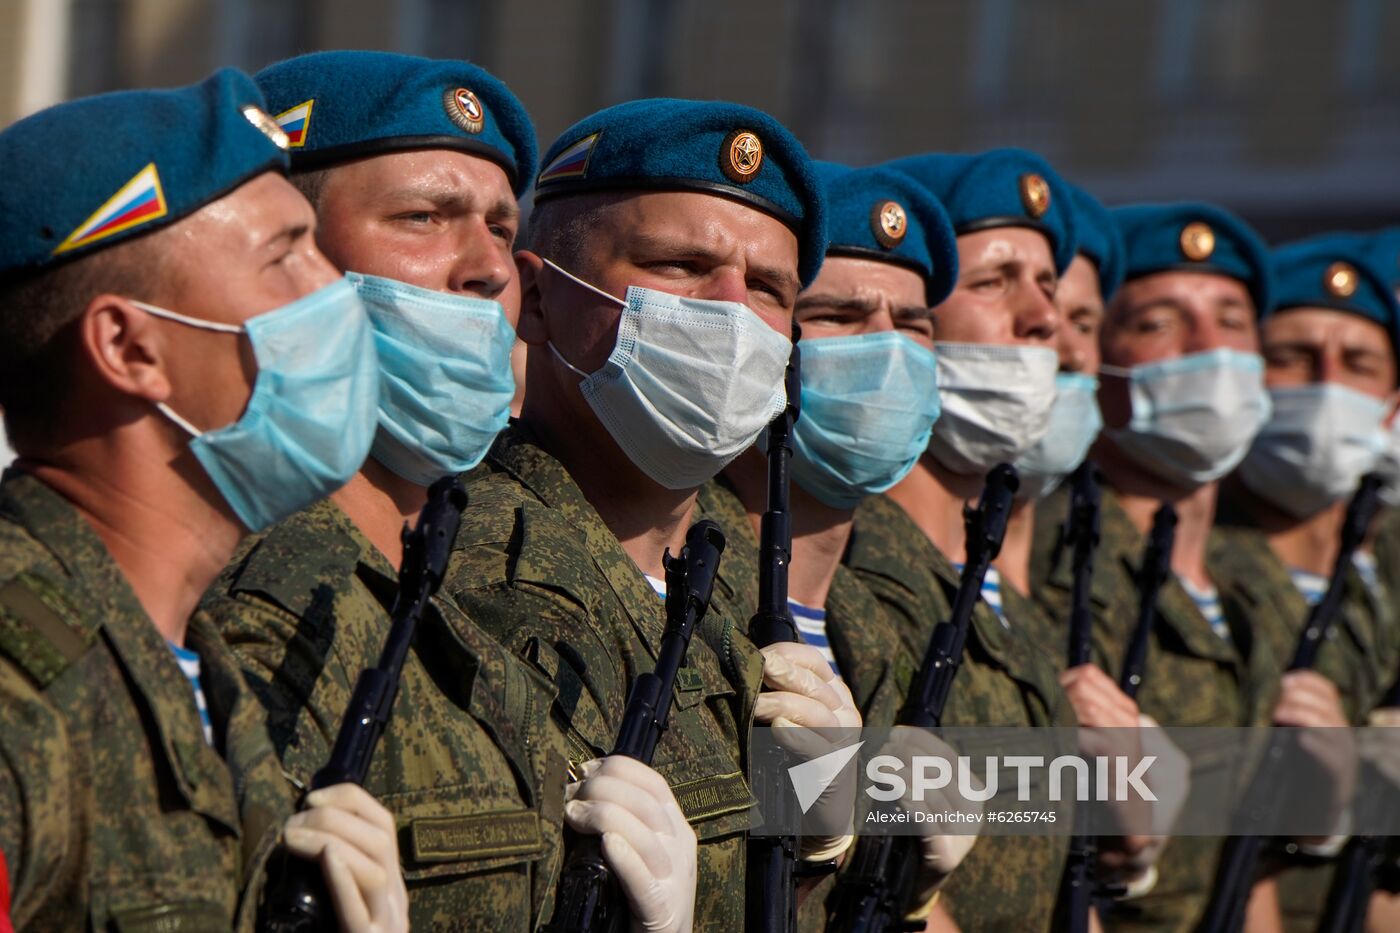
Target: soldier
1012,237
1182,396
181,365
869,401
1330,366
668,244
413,167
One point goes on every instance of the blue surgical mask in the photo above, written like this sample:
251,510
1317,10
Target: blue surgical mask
445,382
1193,416
1322,438
868,406
1074,424
690,383
308,425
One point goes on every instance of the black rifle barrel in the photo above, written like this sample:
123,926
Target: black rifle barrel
770,897
297,901
589,899
1234,878
1082,532
1152,574
873,892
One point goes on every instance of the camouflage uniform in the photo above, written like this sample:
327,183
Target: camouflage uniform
1255,585
1193,678
1006,883
469,765
114,810
539,569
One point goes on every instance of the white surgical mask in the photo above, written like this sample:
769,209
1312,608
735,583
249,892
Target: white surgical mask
1389,466
690,383
1074,424
1321,440
996,403
1193,416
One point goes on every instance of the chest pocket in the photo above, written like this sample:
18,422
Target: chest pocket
173,917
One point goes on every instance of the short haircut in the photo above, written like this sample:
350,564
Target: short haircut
561,227
36,314
310,183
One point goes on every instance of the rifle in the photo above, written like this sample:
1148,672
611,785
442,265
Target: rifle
589,899
770,899
1363,859
873,892
1082,536
1235,876
1152,573
297,900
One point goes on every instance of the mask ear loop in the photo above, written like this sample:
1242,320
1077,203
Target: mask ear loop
592,288
161,407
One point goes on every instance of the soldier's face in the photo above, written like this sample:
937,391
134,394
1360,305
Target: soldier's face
1306,345
684,243
1079,306
865,296
1171,314
251,251
434,218
1005,291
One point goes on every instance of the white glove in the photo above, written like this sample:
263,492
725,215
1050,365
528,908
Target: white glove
941,852
353,837
646,839
805,694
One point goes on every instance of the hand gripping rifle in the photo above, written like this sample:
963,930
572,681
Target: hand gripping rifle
1082,537
1152,574
1363,859
770,899
1234,877
873,892
296,900
589,899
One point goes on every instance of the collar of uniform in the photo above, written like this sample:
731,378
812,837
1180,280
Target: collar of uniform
97,583
518,453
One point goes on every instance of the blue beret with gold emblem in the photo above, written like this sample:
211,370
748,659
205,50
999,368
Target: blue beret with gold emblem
1099,241
347,104
94,172
1193,237
712,147
1335,271
999,188
878,213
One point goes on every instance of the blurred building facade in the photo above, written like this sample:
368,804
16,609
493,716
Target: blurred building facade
1286,110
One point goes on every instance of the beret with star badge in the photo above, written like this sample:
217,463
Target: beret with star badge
91,173
1335,271
998,188
878,213
1099,241
347,104
713,147
1194,237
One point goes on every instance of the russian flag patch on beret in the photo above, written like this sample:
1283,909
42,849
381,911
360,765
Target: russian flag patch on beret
138,201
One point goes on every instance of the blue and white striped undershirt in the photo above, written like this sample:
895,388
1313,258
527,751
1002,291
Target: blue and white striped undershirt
190,667
1312,585
1207,600
991,593
1365,564
811,623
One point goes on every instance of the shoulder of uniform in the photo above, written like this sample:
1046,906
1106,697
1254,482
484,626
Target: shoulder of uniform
290,564
42,630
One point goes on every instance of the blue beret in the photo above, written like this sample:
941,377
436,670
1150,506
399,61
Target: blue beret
689,145
346,104
1194,238
1334,271
878,213
99,171
999,188
1098,239
1383,249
